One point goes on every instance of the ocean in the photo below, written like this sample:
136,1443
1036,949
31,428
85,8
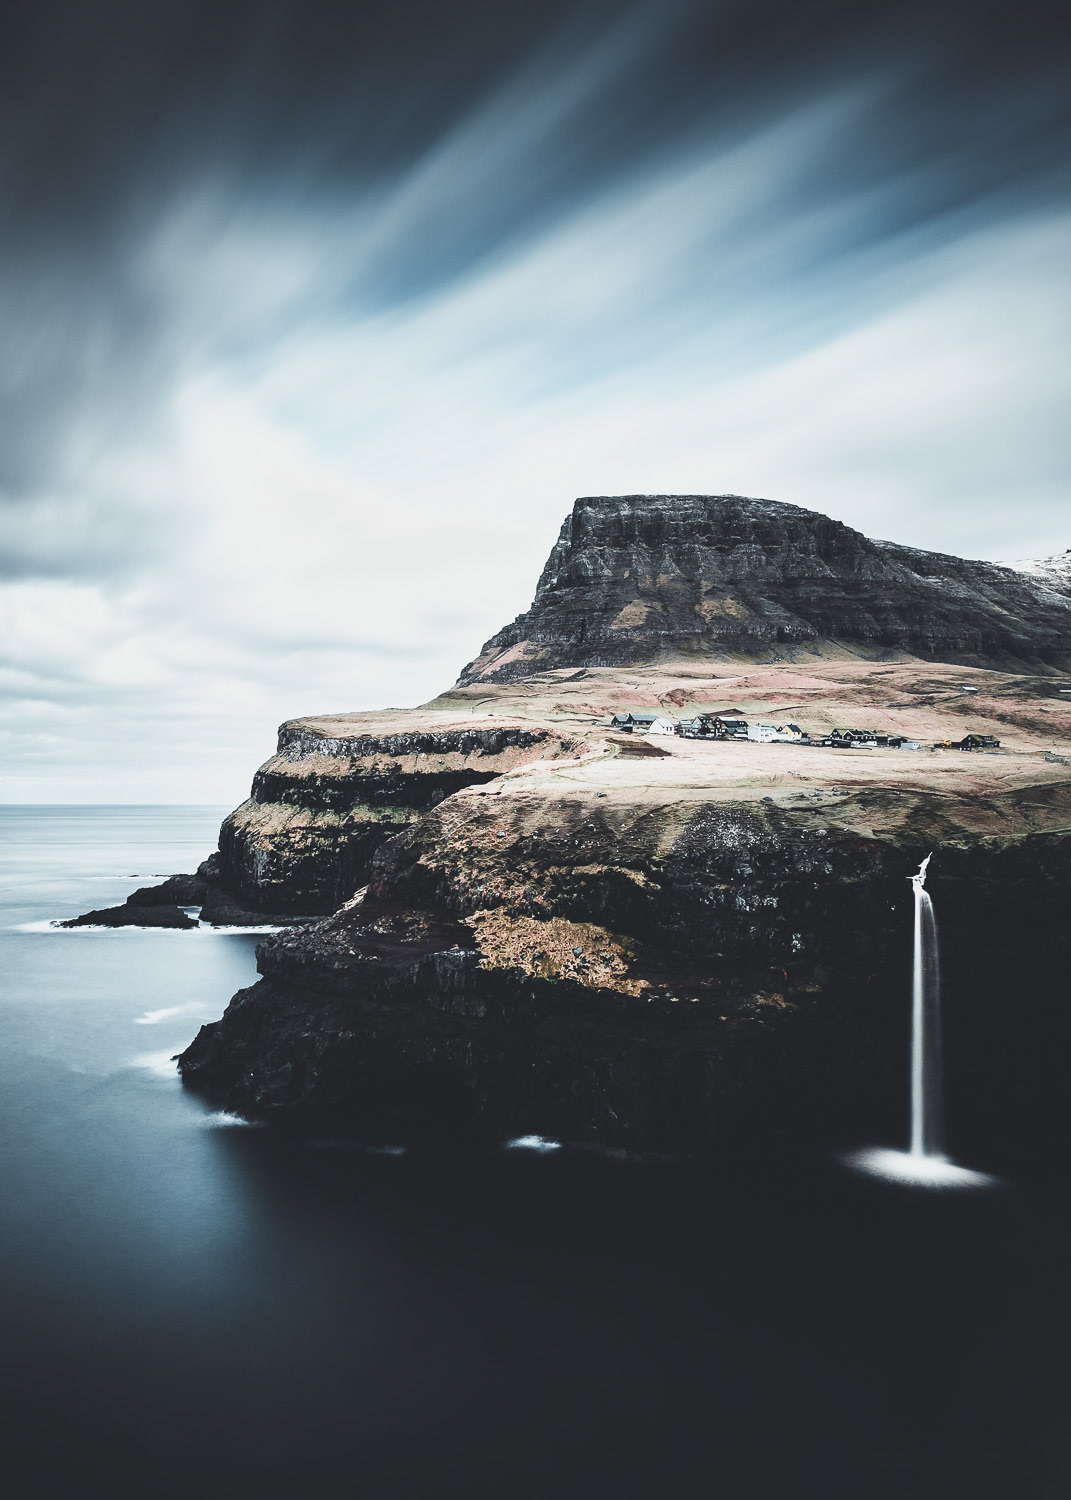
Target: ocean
191,1305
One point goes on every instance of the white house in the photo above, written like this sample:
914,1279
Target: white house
764,733
662,726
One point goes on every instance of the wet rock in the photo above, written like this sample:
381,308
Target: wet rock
221,910
176,890
133,916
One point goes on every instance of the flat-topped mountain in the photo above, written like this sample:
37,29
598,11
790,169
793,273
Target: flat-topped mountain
646,578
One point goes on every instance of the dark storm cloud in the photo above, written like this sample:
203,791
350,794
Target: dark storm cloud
111,112
315,316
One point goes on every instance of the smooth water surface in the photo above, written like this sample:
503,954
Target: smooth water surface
191,1306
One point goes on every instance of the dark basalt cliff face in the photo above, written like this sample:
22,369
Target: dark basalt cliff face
678,983
636,578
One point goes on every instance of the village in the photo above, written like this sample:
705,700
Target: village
730,724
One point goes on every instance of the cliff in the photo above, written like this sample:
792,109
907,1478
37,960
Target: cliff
339,788
623,968
533,925
645,578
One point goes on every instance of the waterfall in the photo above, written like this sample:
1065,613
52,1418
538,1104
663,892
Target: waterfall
927,1124
924,1165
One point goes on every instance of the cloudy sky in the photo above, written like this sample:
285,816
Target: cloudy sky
317,316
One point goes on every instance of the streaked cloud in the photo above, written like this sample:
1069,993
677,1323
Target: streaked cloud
298,441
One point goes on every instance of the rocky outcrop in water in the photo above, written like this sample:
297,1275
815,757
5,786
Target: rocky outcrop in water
160,905
133,916
639,578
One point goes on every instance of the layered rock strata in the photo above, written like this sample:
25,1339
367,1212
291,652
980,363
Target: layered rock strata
641,578
337,790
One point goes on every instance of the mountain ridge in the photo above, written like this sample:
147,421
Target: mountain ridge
644,578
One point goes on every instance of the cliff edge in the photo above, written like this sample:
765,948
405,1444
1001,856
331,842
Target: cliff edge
533,923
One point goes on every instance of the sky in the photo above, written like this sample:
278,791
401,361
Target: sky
316,317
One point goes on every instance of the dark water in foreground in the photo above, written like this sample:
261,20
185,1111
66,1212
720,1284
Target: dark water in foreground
194,1307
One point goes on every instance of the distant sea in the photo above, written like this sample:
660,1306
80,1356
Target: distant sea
191,1306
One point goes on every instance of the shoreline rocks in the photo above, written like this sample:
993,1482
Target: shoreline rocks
160,906
133,916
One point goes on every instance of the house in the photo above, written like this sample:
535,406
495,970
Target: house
662,725
764,734
726,728
789,732
978,742
631,722
857,738
708,725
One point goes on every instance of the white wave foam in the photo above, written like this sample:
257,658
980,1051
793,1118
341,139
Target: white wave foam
222,1119
915,1170
532,1143
163,1064
154,1017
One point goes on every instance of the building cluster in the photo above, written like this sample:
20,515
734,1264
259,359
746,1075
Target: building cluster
730,724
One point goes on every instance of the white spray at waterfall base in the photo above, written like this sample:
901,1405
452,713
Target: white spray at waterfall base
924,1164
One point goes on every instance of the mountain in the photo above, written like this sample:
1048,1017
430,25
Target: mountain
517,921
645,578
1049,572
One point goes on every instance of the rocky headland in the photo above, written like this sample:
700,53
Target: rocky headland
532,924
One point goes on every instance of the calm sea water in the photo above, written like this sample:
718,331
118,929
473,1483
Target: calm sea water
190,1306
